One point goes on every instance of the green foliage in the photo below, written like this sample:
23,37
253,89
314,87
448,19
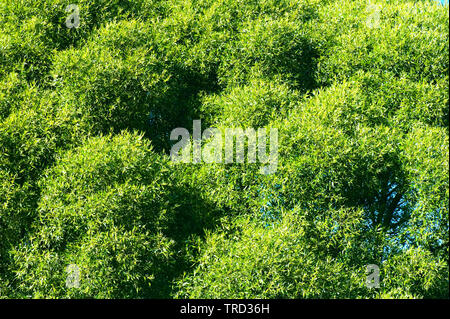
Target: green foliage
247,260
253,105
426,161
271,47
36,128
410,40
253,261
123,78
31,32
415,274
103,207
358,91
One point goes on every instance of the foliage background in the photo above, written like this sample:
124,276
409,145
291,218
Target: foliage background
361,106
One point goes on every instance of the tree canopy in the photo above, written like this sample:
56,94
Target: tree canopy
357,90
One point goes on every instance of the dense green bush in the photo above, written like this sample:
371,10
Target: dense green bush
31,32
106,207
426,161
283,261
358,91
125,77
279,261
37,126
253,105
336,152
271,47
406,38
